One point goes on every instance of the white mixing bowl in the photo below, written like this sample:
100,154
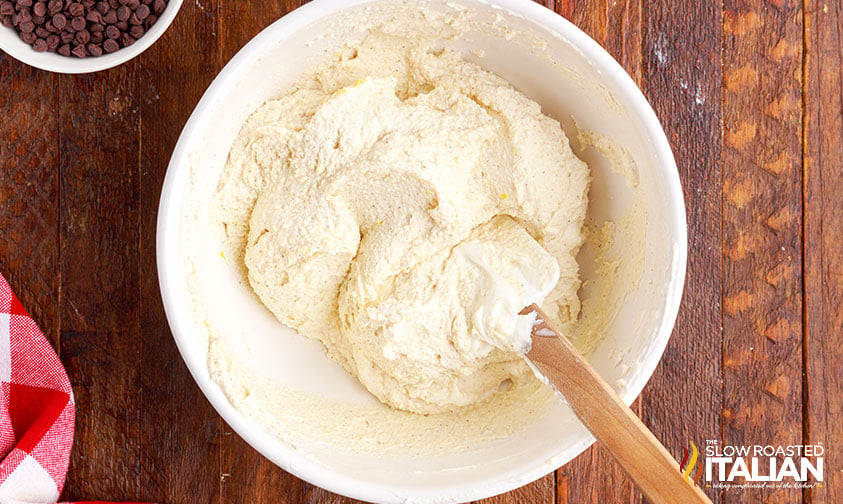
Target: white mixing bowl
575,81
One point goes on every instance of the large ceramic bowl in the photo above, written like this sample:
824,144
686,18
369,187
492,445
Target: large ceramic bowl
631,305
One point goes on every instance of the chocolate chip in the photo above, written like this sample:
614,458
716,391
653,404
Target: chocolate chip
122,25
80,51
158,6
39,20
110,46
142,12
97,37
53,42
103,7
39,9
78,23
64,50
93,16
7,8
26,27
136,31
40,45
28,37
25,3
110,17
59,21
75,9
127,40
112,32
96,27
132,4
94,49
55,6
67,36
41,32
123,13
7,21
82,37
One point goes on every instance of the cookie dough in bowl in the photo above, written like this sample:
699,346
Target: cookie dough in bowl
362,204
376,207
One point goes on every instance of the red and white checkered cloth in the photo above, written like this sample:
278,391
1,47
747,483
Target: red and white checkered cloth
36,409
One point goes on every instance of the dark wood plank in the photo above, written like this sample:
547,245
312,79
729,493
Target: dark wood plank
541,491
249,477
616,25
180,431
624,37
762,245
823,238
314,495
594,476
241,21
98,123
29,189
682,79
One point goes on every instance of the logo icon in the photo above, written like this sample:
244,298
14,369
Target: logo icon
689,463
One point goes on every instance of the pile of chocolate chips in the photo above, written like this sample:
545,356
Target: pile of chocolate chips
80,27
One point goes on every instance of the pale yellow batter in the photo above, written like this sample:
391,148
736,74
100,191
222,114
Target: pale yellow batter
402,205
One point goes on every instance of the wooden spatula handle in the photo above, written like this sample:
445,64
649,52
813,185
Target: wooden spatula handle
611,421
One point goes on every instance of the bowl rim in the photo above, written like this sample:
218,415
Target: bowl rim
54,62
282,453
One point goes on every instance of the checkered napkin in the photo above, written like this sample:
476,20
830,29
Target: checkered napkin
36,409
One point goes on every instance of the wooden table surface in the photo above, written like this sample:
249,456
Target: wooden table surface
750,97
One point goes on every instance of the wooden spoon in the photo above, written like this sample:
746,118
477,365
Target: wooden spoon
611,421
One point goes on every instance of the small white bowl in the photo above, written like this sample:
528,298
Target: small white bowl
11,44
574,80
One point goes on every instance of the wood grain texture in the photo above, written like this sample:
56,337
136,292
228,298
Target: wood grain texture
180,431
758,144
99,317
682,80
762,232
29,191
823,227
540,491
